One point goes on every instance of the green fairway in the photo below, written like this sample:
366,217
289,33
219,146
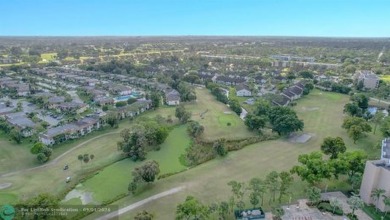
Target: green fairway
215,118
5,198
103,148
174,146
227,118
48,56
110,182
113,180
323,116
322,113
385,78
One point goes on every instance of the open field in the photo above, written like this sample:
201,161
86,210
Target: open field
114,179
322,114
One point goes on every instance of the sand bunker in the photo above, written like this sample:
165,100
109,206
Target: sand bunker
5,185
299,138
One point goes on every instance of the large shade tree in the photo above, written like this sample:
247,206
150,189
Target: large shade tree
333,146
191,208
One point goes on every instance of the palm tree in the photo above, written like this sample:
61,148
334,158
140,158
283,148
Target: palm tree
386,201
376,195
334,203
355,203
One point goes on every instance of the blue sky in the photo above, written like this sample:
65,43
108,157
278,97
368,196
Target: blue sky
334,18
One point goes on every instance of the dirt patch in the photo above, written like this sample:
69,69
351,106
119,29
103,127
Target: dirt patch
299,138
5,185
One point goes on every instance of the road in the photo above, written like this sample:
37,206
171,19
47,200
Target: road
140,203
57,158
243,113
381,101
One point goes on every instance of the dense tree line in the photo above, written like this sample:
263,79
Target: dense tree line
314,168
187,92
275,185
283,120
147,133
218,92
335,87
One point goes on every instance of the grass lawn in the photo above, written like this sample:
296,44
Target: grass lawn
6,197
371,211
103,148
323,116
11,64
385,78
322,113
105,151
18,157
216,118
114,179
48,56
14,156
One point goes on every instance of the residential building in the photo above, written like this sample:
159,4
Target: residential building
243,90
172,97
377,176
369,79
281,100
229,80
294,92
134,109
69,131
21,122
53,102
104,101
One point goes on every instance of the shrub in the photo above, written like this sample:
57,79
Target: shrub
352,216
326,207
120,104
228,124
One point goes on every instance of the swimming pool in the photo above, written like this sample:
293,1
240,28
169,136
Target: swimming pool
122,98
372,110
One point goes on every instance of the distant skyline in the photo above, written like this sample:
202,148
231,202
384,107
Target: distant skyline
316,18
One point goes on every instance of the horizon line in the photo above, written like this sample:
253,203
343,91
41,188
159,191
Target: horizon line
189,35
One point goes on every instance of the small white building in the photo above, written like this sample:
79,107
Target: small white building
243,90
172,97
